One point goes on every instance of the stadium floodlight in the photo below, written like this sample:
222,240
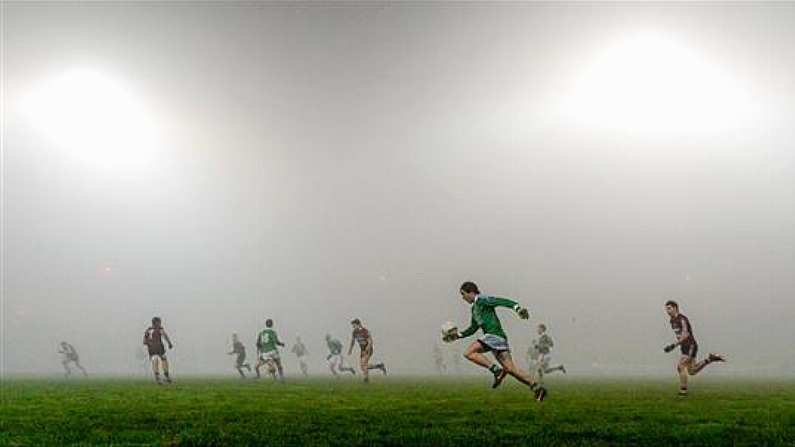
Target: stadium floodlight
655,83
92,117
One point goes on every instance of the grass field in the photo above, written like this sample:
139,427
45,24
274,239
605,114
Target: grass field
394,411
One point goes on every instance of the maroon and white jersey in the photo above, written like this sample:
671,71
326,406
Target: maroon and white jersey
361,336
153,337
681,326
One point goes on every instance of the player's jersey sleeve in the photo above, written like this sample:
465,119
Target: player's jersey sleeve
495,301
473,327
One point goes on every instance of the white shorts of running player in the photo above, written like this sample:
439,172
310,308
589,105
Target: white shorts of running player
494,343
269,356
336,361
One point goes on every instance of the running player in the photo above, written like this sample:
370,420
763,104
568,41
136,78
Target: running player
153,340
268,351
362,336
539,355
70,356
300,351
484,317
239,350
688,346
334,357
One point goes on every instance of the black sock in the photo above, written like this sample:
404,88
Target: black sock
495,369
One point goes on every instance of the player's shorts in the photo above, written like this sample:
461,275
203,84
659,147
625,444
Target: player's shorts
241,360
492,342
689,350
72,358
270,355
157,351
336,361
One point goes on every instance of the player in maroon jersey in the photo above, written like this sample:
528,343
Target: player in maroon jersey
362,336
153,340
686,341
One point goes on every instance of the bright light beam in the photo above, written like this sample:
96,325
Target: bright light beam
93,118
650,83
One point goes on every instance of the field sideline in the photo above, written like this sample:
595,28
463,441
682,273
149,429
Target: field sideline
394,411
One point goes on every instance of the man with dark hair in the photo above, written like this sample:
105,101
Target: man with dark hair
268,351
362,336
484,317
70,356
239,350
153,340
686,341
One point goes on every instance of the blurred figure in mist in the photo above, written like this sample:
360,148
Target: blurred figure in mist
239,350
69,354
539,355
438,360
456,360
334,357
362,336
153,340
300,351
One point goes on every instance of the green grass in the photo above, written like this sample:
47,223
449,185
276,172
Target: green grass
394,411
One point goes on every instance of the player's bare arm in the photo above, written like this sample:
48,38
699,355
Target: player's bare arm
168,340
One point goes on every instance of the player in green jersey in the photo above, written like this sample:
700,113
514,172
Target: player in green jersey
484,317
334,357
268,350
539,355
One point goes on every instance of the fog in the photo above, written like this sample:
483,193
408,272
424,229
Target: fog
219,164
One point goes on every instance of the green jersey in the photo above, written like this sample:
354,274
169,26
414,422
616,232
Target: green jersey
485,317
542,345
267,340
334,346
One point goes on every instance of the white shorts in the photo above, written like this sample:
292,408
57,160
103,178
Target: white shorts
336,361
268,356
494,343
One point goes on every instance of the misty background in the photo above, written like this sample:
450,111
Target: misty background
219,164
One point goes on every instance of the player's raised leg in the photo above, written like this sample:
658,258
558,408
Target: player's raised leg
506,361
475,354
711,358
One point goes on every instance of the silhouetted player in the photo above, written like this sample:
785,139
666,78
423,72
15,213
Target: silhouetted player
239,350
153,340
688,346
70,356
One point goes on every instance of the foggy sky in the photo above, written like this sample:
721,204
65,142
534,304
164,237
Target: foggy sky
320,163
